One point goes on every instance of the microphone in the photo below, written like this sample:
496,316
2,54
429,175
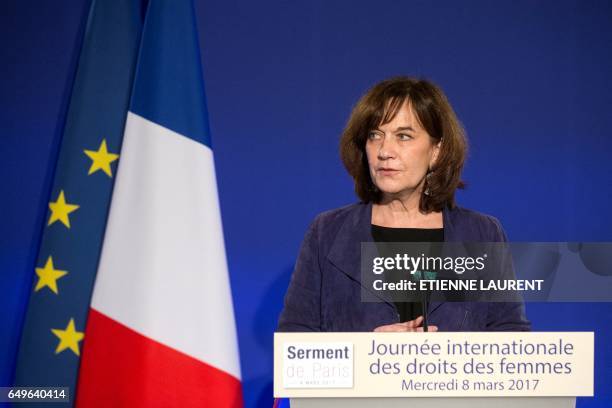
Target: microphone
424,304
425,299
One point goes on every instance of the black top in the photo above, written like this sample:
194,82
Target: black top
407,310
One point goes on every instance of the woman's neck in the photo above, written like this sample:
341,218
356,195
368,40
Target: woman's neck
397,213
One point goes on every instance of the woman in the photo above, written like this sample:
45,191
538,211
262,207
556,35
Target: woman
405,149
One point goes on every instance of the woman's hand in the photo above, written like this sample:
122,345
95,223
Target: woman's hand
409,326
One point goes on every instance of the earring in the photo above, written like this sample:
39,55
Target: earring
427,181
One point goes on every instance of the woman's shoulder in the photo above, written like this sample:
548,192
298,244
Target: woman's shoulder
488,227
328,223
473,215
340,213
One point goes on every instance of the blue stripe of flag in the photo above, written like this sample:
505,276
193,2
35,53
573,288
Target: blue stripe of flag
169,88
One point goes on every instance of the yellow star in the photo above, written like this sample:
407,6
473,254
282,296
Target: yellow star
60,210
101,159
48,276
69,338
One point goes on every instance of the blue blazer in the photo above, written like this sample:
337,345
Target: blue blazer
325,289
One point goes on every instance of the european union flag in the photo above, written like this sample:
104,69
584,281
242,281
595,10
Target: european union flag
70,246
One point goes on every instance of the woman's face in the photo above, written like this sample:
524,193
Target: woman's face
400,153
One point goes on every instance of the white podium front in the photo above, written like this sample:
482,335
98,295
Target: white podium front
434,370
458,402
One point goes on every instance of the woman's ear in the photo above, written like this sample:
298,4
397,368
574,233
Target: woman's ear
434,154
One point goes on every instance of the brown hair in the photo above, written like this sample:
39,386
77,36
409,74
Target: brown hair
435,114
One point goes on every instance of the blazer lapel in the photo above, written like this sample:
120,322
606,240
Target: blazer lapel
450,235
345,253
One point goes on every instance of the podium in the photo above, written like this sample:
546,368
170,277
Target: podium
434,370
432,402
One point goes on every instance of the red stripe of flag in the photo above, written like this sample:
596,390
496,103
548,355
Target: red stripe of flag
120,366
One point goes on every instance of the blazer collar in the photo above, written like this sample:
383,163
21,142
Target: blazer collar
345,253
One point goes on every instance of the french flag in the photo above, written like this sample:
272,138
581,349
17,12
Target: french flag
160,330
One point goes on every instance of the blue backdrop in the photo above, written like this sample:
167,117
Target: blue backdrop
530,80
